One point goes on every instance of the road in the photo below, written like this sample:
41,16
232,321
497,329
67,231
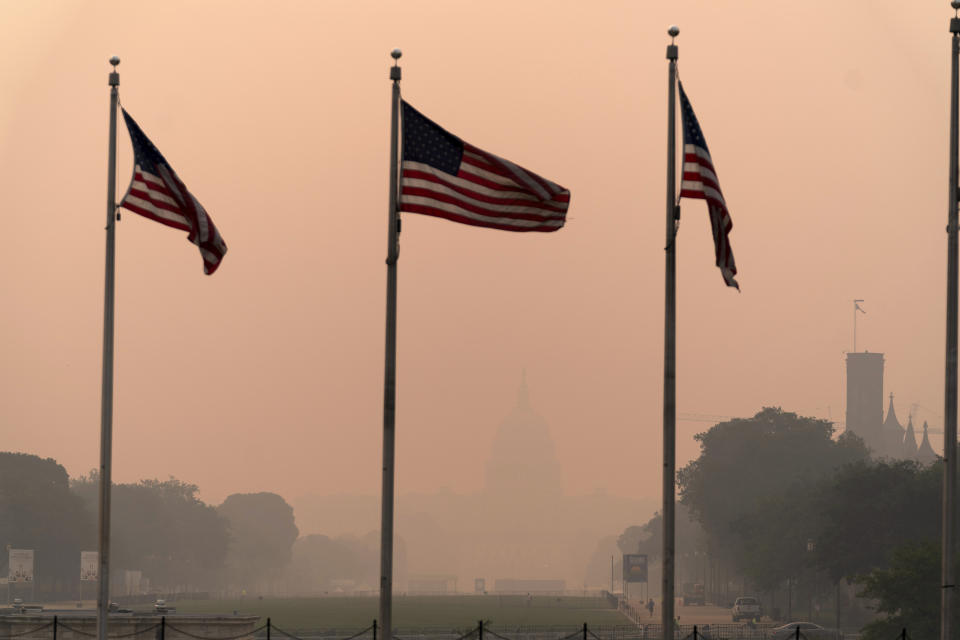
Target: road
707,614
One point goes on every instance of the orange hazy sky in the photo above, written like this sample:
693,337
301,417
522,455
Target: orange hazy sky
827,122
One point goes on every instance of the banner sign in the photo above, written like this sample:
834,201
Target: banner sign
21,565
89,565
634,567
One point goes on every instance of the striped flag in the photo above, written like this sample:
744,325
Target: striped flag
446,177
156,192
700,181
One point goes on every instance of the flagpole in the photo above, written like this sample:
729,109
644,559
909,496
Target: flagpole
948,582
390,368
106,398
670,353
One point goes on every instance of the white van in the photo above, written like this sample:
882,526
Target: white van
746,608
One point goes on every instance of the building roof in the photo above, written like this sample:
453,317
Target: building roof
891,422
523,459
925,453
910,441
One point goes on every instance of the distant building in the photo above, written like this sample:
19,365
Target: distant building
521,525
885,437
910,447
523,460
431,585
892,435
865,396
925,453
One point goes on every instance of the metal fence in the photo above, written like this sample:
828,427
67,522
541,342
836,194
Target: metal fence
154,628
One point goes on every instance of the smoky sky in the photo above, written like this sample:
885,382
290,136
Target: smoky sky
827,125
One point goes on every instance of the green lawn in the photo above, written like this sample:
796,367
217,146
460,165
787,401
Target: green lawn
418,612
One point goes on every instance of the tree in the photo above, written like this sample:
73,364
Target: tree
867,509
744,462
39,512
648,538
773,538
319,562
262,533
907,593
164,530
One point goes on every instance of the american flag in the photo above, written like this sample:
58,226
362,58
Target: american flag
156,192
700,181
446,177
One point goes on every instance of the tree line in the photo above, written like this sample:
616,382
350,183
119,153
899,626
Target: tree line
779,505
164,531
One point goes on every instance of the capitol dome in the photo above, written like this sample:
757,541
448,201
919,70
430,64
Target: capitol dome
523,460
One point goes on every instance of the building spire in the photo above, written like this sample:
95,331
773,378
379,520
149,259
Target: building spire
925,453
523,394
910,441
892,416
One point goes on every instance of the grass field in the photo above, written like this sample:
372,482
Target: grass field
418,612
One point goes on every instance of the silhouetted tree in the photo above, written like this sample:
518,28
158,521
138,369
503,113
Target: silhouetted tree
868,509
746,461
907,593
772,538
648,537
164,530
320,561
38,511
262,533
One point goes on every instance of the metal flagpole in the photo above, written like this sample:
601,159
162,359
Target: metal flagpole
390,368
950,378
670,352
106,398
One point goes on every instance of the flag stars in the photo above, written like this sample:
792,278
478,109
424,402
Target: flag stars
426,142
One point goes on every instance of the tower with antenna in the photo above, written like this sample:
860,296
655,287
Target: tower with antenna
864,389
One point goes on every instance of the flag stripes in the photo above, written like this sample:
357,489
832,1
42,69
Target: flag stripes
700,180
445,177
157,193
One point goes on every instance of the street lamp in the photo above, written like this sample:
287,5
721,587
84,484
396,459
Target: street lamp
811,546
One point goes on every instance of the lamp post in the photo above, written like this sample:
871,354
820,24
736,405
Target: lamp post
811,546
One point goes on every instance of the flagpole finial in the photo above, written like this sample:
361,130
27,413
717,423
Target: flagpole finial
674,31
395,69
956,7
114,76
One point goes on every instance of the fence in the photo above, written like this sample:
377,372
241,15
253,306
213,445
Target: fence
145,628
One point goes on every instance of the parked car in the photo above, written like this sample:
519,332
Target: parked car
161,607
746,608
808,630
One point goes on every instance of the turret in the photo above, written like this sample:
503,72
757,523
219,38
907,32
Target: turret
925,453
892,434
910,441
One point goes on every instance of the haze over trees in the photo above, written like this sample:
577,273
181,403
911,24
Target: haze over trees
746,461
39,511
171,540
322,564
789,510
262,533
162,529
